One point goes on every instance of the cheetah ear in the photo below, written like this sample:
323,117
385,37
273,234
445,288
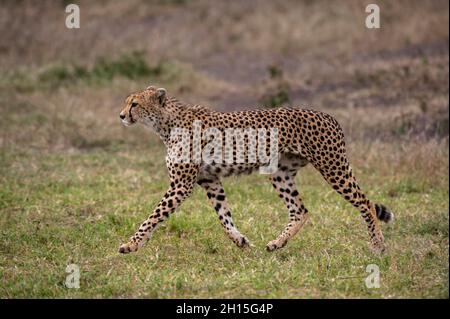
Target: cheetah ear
151,87
161,95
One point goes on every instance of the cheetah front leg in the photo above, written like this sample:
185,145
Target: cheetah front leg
181,186
284,183
216,195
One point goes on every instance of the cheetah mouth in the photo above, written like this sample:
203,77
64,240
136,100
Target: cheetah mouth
128,123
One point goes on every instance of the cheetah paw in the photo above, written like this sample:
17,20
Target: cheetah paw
271,246
379,249
128,248
243,242
275,244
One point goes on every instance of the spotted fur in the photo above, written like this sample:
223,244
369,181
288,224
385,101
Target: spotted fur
305,136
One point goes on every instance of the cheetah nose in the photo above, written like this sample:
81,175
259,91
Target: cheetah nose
122,116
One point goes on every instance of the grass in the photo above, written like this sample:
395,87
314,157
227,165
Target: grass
59,209
131,65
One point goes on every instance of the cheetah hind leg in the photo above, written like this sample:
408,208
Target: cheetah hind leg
345,184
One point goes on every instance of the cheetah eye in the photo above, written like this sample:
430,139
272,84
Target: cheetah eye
134,104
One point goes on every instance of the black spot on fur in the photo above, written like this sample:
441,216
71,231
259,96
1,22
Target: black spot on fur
204,181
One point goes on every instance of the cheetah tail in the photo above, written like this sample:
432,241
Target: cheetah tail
383,213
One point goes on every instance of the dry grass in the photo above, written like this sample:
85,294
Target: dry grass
165,29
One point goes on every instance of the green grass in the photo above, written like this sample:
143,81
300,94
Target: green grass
57,209
132,66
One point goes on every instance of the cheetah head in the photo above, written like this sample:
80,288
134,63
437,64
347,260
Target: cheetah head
143,107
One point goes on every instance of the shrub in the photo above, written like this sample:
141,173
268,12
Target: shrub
277,93
131,66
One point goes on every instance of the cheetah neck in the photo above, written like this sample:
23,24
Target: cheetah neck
163,123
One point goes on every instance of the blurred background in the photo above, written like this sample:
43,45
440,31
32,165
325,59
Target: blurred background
65,160
387,83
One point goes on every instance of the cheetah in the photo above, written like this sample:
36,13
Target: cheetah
304,137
